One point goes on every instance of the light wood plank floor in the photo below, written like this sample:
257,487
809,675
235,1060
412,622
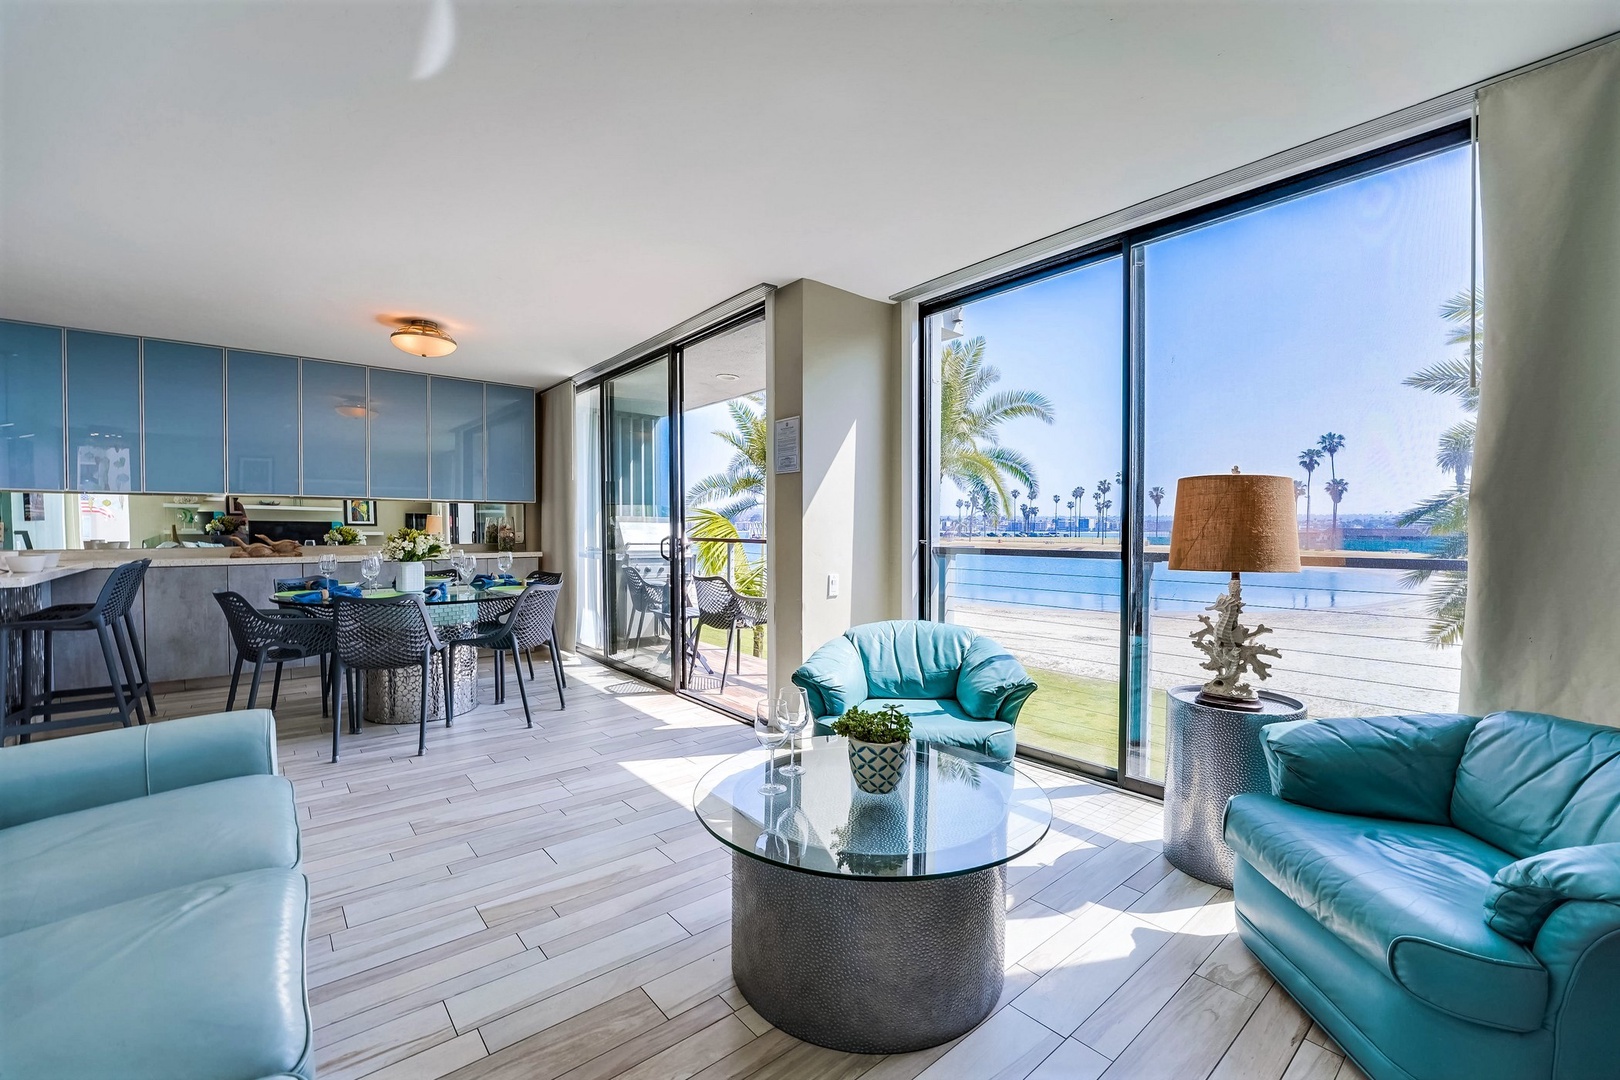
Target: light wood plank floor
540,903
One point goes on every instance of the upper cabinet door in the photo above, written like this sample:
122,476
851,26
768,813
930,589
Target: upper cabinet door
104,412
261,431
184,388
31,408
456,427
335,405
399,435
509,422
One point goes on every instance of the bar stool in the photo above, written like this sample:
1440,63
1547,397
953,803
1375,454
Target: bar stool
111,619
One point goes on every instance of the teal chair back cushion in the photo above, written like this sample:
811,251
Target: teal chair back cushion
834,678
911,659
1401,767
1529,782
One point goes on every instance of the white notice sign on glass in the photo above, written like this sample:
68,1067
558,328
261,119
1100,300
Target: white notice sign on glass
787,444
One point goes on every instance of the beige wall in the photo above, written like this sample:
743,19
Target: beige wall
834,363
554,526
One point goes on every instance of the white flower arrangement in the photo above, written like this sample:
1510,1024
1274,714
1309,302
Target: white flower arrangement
412,545
344,536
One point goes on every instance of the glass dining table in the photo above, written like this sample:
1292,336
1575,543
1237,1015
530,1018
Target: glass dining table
394,696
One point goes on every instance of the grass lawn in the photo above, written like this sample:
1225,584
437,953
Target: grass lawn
1079,717
710,636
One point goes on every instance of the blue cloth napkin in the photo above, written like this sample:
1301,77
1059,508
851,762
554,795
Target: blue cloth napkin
484,581
308,596
437,591
345,590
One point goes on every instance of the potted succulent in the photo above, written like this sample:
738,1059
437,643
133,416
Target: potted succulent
410,548
344,536
877,746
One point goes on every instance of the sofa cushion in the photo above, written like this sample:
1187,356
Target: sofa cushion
945,723
907,658
1523,894
1407,897
1400,767
62,866
1530,782
202,982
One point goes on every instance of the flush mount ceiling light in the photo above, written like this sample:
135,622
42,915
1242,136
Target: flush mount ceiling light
421,337
726,376
353,409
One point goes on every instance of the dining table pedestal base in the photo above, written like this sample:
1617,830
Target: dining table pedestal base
868,965
394,696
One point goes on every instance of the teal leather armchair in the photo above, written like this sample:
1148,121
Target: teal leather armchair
152,910
958,686
1441,892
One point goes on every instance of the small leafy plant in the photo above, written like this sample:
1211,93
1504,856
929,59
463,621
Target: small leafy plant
223,525
886,725
344,536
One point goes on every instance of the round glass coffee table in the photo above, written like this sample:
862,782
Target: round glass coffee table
873,924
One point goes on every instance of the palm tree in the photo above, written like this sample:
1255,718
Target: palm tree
1073,521
1157,495
1103,488
1309,460
1446,514
1014,504
1330,444
1097,501
1335,489
959,504
1300,488
970,416
742,485
1056,502
1079,496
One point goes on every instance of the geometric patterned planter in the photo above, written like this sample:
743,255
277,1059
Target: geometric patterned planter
877,766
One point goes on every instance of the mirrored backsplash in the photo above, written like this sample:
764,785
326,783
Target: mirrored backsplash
68,521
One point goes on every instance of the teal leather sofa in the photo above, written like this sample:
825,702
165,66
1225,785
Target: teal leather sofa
152,911
959,687
1442,893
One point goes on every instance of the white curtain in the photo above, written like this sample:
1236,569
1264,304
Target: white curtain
1543,621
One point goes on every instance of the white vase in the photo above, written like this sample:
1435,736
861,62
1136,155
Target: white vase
410,577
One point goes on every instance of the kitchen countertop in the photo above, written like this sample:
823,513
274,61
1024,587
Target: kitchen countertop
79,561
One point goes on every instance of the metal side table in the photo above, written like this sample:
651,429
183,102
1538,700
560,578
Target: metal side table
1214,753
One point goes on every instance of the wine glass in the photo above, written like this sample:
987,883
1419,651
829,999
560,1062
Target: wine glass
370,570
770,732
328,564
793,713
504,562
458,563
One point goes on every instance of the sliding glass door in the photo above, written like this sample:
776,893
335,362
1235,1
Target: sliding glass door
1323,329
639,544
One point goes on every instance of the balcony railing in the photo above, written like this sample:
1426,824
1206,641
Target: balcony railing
1354,637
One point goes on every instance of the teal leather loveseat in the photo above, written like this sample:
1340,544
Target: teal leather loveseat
958,686
152,911
1442,893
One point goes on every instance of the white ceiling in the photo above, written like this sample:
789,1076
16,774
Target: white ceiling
579,176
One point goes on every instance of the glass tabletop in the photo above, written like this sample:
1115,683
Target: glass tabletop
954,812
454,594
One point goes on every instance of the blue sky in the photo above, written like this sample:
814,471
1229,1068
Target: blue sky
1262,332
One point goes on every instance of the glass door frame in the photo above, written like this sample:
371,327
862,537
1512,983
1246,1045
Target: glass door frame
1129,246
674,353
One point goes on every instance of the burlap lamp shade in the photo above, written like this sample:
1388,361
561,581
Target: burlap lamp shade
1235,523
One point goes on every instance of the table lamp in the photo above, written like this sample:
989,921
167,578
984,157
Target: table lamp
1238,524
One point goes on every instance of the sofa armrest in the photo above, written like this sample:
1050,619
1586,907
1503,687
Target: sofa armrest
1579,945
1523,894
992,685
1401,767
834,678
59,776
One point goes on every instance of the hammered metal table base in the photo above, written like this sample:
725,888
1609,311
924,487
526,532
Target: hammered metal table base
394,696
1213,754
867,966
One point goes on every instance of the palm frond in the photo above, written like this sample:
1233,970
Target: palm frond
1449,376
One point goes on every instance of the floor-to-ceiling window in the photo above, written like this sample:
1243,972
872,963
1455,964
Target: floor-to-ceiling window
1321,330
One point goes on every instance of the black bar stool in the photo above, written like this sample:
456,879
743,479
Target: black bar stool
111,619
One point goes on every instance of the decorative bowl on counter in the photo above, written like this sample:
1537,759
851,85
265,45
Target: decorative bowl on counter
19,563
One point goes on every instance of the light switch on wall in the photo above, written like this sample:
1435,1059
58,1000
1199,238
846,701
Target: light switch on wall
832,586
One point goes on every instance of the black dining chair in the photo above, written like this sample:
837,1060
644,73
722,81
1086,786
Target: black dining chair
549,577
381,633
721,607
274,637
529,623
